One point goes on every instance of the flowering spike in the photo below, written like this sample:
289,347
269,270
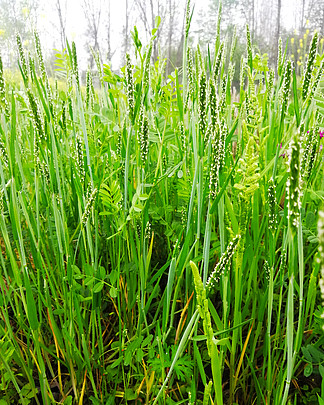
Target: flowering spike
187,26
310,65
223,262
142,134
88,207
293,184
249,47
273,220
218,62
129,87
285,90
146,74
190,75
22,58
202,100
280,59
3,101
75,68
316,81
36,116
79,158
39,54
270,86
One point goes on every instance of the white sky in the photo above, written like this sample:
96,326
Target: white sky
76,23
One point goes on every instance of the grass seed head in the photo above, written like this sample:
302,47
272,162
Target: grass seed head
218,62
273,220
202,100
214,169
249,46
183,138
316,81
146,73
88,207
39,53
285,90
270,86
89,90
96,57
36,116
3,154
310,65
129,87
219,18
1,201
3,100
142,134
267,270
79,158
294,184
217,139
308,151
190,76
187,25
22,58
148,231
63,117
223,262
242,72
75,67
280,59
45,172
213,103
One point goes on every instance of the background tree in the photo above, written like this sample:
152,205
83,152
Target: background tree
315,15
61,6
147,11
92,12
108,30
16,16
278,22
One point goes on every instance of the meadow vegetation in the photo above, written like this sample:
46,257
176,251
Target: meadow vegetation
162,238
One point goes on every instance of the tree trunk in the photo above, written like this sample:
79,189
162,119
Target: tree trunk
62,23
252,19
153,23
302,15
126,28
278,23
171,17
108,34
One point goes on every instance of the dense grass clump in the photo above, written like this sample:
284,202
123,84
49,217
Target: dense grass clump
160,235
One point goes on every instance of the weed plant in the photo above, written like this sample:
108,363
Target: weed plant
159,235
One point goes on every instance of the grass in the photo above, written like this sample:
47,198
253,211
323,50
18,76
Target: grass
159,235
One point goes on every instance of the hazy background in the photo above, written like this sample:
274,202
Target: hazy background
105,25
